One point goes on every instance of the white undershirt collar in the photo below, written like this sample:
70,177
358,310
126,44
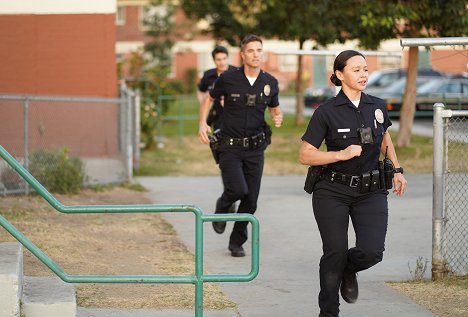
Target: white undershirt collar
251,80
356,102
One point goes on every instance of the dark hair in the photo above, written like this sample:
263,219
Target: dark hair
250,38
219,49
340,63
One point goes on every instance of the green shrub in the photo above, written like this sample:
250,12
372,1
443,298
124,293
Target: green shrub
57,170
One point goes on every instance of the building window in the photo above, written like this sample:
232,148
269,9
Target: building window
120,16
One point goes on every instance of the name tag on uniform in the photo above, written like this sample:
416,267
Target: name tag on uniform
235,95
343,130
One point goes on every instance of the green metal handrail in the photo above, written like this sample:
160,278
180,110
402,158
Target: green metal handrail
198,279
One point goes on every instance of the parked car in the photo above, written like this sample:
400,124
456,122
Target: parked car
381,79
453,92
393,95
313,97
378,82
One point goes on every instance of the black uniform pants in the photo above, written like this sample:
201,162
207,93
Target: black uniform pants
241,171
333,205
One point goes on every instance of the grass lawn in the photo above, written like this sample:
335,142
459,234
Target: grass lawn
182,154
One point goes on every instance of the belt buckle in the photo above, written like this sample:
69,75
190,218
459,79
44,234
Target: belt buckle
245,142
354,181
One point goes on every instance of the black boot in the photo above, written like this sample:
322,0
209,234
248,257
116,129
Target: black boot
220,226
236,251
349,287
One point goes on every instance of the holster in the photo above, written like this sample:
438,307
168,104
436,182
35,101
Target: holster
313,176
214,145
268,133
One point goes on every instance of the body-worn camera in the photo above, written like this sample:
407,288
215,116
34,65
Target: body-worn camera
365,136
250,100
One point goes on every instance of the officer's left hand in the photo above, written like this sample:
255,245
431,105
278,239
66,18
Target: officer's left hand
203,131
276,116
399,184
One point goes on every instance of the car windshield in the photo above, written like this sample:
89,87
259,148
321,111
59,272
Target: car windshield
399,85
431,86
375,76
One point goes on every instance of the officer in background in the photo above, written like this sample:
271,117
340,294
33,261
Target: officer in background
352,180
220,58
248,91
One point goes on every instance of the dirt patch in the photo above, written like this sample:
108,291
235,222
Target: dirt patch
442,298
109,244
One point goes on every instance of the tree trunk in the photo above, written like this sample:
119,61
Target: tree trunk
299,89
408,108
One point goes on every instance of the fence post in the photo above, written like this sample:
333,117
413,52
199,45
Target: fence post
438,262
26,138
137,131
181,120
128,135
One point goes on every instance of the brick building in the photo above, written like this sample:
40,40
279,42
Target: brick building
193,51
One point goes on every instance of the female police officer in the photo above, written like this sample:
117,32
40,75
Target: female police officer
354,127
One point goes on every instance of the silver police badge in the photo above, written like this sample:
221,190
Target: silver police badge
266,90
379,116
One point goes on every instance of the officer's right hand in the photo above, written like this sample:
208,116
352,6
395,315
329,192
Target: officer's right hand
351,151
203,131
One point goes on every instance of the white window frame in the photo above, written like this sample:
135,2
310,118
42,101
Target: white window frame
120,15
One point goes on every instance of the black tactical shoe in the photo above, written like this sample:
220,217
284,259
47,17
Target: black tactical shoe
219,226
349,287
236,251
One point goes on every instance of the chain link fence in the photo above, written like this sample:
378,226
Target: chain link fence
69,137
450,242
455,236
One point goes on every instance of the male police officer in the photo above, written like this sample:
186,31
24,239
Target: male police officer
247,92
220,58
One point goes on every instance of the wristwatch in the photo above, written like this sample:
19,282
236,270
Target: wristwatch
398,170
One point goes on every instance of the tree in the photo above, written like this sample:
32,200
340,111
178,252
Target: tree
409,19
149,69
294,20
298,20
225,20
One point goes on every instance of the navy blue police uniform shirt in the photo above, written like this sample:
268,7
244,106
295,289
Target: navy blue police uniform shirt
337,120
207,82
240,120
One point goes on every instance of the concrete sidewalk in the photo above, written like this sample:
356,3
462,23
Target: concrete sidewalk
290,248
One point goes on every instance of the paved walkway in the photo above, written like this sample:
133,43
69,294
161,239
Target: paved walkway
290,249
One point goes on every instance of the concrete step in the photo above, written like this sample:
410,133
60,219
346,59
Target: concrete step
11,273
48,297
